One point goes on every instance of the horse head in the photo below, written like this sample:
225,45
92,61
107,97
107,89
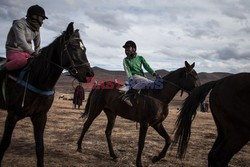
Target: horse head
190,78
185,78
73,56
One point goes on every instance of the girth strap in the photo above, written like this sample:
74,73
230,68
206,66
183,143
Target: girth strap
29,86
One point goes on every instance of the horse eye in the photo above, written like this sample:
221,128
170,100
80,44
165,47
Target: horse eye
74,46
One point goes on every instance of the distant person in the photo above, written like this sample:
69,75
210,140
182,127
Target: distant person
79,96
204,106
132,64
19,40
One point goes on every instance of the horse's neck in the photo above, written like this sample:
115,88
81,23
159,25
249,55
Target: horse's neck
53,77
47,72
167,93
169,90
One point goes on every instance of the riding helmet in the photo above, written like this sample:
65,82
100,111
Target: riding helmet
36,10
129,43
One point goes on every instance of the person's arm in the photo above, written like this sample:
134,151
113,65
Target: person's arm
127,69
147,66
37,42
19,31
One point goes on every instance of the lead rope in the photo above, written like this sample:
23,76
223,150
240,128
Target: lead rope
25,89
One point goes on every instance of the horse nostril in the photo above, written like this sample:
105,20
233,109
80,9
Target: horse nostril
90,73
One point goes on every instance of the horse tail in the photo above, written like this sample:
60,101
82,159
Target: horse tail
94,98
187,115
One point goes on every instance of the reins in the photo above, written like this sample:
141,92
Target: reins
72,68
177,86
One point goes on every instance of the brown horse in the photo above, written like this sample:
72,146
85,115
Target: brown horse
34,98
150,107
229,104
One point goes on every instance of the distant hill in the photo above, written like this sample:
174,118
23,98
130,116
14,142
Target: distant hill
65,82
206,77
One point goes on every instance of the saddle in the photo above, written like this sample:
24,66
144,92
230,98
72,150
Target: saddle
14,73
129,95
19,77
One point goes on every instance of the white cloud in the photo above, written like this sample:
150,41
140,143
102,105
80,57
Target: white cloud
214,34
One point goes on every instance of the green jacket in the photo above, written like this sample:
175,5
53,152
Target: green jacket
133,66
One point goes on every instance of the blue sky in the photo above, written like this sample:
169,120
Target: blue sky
213,34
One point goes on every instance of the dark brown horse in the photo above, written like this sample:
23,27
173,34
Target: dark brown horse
35,97
229,104
149,109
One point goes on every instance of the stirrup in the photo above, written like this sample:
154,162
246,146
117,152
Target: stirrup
128,102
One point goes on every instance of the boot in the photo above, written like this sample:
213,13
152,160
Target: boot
128,101
131,93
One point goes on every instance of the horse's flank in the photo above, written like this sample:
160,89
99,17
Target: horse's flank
229,104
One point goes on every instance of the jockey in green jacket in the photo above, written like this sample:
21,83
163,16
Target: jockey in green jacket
133,66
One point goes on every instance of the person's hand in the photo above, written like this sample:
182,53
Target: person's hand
34,54
131,82
156,75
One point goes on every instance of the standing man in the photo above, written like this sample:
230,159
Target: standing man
79,96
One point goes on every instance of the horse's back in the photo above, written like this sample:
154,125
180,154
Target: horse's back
145,108
234,88
229,100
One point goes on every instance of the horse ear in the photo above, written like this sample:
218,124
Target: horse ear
192,66
187,65
70,29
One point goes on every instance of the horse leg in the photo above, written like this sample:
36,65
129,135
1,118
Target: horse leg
227,148
162,132
142,136
89,121
212,153
108,132
10,124
39,122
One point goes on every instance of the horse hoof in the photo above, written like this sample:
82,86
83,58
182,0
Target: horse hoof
138,165
155,159
115,159
79,150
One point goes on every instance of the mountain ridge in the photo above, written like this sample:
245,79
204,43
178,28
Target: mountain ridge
66,84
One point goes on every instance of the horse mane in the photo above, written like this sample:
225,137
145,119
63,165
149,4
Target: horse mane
165,80
166,77
40,65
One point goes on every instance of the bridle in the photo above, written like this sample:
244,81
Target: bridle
181,87
177,86
73,67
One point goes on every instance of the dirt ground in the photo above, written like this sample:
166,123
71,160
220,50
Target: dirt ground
64,127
